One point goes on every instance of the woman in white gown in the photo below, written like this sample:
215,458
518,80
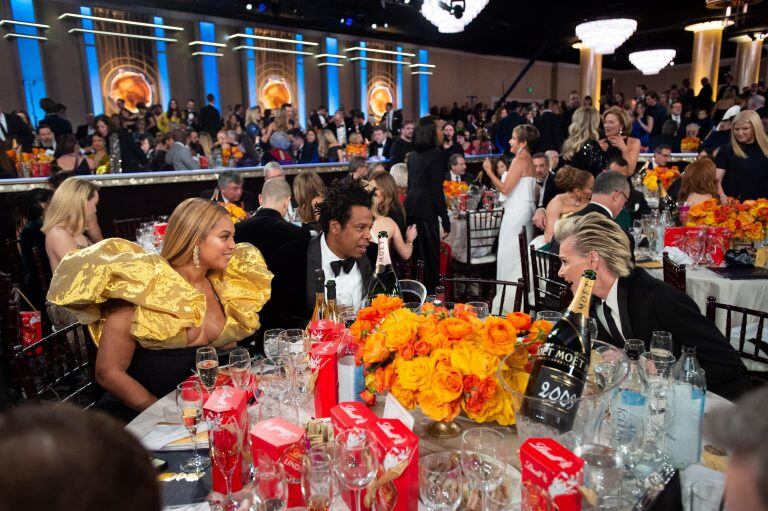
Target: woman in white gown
519,187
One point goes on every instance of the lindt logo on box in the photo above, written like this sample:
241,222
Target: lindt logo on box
281,431
546,451
351,412
389,430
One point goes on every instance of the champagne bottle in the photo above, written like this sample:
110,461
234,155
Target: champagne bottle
561,364
321,307
384,280
330,292
667,203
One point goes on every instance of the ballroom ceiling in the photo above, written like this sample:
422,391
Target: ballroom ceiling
505,27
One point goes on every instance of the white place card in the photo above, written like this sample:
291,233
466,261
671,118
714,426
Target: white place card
394,410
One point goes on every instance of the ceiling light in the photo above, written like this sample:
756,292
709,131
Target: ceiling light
445,15
272,50
262,7
374,26
604,36
249,6
709,25
650,62
386,25
119,22
120,34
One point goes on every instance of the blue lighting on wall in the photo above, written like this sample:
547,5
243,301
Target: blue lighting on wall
300,98
209,64
399,81
164,85
32,77
423,85
92,62
332,75
250,73
363,80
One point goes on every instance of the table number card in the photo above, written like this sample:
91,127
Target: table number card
394,410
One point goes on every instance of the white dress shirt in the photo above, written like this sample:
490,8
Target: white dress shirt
341,134
455,177
349,286
4,124
612,300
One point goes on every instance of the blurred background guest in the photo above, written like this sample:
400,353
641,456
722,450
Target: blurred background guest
399,172
577,190
742,165
70,158
308,190
699,182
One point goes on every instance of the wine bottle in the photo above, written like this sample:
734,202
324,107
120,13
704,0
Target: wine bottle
667,203
321,307
330,295
561,363
384,280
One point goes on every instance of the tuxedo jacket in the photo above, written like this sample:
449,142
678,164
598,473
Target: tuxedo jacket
550,189
550,132
18,129
648,304
397,122
465,178
268,231
593,208
373,148
210,120
316,122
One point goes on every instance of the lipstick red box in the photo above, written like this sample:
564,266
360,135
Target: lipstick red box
553,468
351,414
283,442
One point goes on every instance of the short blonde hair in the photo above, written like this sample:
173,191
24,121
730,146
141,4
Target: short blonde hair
623,116
188,226
68,206
594,232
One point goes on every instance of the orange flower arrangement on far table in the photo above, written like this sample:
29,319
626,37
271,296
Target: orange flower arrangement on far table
236,213
666,175
745,220
454,188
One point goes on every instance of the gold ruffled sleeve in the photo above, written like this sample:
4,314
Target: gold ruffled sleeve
243,289
166,304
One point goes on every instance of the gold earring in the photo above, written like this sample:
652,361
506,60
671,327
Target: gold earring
196,257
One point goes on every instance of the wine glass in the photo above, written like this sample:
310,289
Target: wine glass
273,346
655,368
482,469
356,462
270,484
440,481
189,400
637,235
240,368
207,361
480,309
634,346
296,342
316,480
275,384
696,245
226,437
661,343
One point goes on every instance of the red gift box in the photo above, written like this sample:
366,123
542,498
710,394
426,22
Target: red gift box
548,465
351,414
31,329
397,445
227,405
224,380
284,442
675,237
323,357
324,330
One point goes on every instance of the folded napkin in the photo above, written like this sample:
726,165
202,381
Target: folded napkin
678,256
173,437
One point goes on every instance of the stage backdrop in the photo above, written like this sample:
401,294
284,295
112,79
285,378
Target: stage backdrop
127,68
381,81
275,72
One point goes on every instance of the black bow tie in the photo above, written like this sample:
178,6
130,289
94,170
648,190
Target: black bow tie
346,264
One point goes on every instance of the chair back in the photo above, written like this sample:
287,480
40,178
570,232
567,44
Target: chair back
525,263
14,264
126,228
483,233
413,290
409,270
674,274
550,292
468,289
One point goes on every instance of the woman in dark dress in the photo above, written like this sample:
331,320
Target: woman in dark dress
68,156
742,165
581,149
425,202
449,144
617,143
251,155
125,155
389,216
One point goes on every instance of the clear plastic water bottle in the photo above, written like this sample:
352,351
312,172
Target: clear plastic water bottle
687,400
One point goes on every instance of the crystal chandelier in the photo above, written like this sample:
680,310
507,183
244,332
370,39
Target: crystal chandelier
604,36
650,62
452,16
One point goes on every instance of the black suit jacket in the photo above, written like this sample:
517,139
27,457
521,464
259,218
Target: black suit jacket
59,125
18,129
550,189
210,120
268,231
465,178
399,150
397,122
426,199
248,201
593,208
648,304
316,122
373,148
550,128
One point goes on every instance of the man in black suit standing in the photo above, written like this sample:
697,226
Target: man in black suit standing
381,145
230,189
550,127
402,145
53,119
210,118
630,303
12,128
345,221
392,120
545,178
319,119
704,97
458,169
507,124
85,130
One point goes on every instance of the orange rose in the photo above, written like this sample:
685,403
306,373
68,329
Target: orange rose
374,350
436,409
369,314
455,328
447,384
539,330
422,348
406,397
368,398
383,378
397,335
407,351
498,336
520,320
360,329
386,304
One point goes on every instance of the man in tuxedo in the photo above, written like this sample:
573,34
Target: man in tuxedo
636,205
345,221
299,152
339,127
630,303
46,139
545,178
458,169
229,188
676,114
358,167
58,124
660,158
507,124
267,230
381,145
210,118
13,128
392,120
319,120
550,127
704,97
402,145
85,130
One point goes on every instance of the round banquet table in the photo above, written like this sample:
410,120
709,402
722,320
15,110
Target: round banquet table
457,239
193,494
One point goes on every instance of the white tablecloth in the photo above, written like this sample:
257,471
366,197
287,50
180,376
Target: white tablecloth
457,239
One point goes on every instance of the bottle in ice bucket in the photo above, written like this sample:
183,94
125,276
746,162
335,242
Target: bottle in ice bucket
561,363
384,280
687,400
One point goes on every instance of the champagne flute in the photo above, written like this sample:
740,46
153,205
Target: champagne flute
270,484
316,479
440,481
273,347
226,441
240,368
189,400
483,470
207,361
356,462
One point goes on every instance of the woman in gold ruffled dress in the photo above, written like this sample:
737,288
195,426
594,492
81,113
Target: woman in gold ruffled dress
148,313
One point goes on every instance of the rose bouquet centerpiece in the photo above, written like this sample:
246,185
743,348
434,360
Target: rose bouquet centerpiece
664,174
746,220
230,154
443,362
236,213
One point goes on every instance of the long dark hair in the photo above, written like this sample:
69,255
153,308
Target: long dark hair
425,135
169,112
249,148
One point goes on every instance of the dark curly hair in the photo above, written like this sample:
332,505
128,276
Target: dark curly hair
339,198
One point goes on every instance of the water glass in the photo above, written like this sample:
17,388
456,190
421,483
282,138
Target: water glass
551,316
270,484
207,363
189,400
481,467
296,342
707,495
695,244
274,349
240,368
602,473
661,343
356,462
440,481
480,309
316,479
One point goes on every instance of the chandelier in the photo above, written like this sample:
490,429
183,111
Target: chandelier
604,36
452,16
650,62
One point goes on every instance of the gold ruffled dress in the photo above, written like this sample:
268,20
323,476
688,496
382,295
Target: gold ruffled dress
165,304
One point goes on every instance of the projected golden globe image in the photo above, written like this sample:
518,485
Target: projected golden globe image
275,93
378,97
131,87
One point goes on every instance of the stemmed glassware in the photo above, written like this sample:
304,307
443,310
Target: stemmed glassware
655,368
440,481
483,470
661,343
240,368
356,462
696,246
274,384
189,400
270,484
207,363
226,440
637,235
317,479
274,348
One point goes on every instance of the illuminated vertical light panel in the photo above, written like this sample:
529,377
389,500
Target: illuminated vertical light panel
250,73
164,85
30,58
399,81
210,63
332,74
300,98
363,80
423,86
92,62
